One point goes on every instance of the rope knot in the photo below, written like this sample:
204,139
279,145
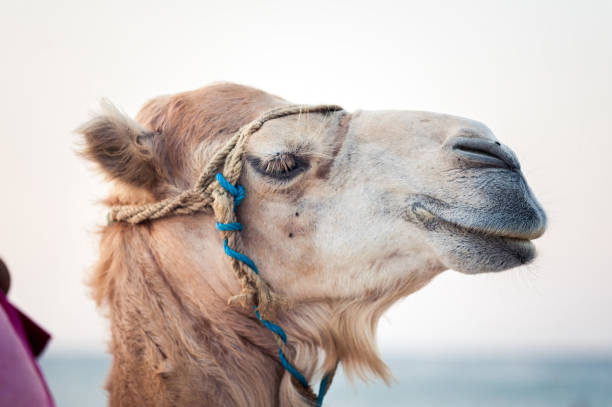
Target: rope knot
235,191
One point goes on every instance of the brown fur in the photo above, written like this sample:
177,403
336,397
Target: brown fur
208,115
124,149
174,339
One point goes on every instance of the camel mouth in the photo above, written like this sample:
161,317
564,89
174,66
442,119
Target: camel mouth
508,233
504,242
518,217
474,246
489,251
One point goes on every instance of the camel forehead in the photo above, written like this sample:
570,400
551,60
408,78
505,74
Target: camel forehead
213,113
415,125
209,101
305,131
217,108
202,117
313,133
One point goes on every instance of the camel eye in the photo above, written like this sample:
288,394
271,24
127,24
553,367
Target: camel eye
281,166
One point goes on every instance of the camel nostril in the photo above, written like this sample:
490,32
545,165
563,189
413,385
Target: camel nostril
482,152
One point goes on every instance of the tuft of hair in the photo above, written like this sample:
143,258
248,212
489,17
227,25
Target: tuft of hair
124,149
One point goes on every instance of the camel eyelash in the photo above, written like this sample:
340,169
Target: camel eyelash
280,166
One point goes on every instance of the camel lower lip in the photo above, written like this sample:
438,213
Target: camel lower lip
522,250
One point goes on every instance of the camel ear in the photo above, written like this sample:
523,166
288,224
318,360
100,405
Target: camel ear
124,149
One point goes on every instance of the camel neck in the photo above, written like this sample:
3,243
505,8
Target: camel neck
172,326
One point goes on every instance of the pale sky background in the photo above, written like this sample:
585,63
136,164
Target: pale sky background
538,73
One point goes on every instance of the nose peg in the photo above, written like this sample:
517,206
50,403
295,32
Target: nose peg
483,152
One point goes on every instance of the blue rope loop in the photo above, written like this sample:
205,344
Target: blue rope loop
272,327
240,257
232,226
238,193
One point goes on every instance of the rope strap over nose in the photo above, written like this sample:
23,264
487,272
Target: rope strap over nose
216,191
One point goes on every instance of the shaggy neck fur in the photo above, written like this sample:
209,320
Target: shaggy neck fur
175,341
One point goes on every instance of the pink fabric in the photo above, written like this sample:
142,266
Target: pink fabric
21,381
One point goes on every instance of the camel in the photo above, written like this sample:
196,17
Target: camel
345,214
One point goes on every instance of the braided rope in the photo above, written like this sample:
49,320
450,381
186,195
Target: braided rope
219,193
238,194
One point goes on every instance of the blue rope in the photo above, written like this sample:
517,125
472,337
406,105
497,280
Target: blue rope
322,390
294,372
238,193
272,327
239,256
229,226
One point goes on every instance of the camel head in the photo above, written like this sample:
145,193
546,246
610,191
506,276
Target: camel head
345,212
348,203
